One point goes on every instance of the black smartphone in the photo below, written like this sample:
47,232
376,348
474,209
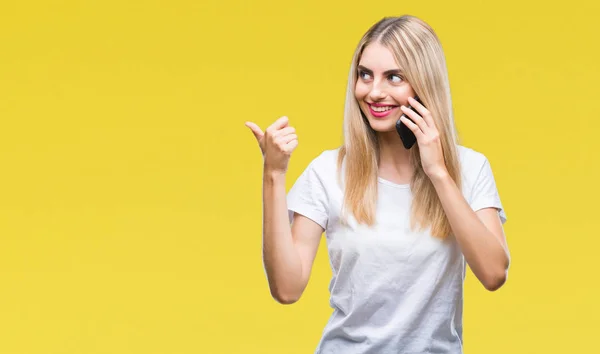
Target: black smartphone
406,135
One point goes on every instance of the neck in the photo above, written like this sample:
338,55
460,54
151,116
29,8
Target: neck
394,158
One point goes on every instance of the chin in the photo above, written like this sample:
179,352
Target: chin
383,126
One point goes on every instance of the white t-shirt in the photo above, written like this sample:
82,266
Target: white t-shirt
392,290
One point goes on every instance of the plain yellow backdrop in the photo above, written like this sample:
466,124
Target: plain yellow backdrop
130,190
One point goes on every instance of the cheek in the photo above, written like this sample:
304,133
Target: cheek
401,95
360,91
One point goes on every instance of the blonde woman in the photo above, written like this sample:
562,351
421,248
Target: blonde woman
401,223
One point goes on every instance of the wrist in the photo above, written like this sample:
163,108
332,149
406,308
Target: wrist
273,173
439,176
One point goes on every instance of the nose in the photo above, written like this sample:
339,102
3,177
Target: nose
377,93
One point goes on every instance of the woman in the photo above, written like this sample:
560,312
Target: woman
401,223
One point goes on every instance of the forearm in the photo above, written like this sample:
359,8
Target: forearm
486,255
282,262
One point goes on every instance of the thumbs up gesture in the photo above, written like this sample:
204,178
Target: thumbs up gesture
276,143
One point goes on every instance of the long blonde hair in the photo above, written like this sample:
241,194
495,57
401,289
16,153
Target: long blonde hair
418,51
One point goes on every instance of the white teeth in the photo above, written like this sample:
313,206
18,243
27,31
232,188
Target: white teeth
381,109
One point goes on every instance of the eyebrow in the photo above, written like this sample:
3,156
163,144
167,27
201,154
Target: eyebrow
387,72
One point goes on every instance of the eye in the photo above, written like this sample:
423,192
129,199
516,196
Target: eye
363,75
398,77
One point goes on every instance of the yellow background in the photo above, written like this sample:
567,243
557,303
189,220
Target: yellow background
130,190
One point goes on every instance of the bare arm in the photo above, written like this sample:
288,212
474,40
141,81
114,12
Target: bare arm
479,234
288,252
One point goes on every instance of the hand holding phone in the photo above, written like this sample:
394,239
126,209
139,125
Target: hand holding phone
406,135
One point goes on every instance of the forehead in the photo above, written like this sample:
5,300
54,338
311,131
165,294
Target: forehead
377,58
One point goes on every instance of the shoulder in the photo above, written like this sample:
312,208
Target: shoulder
321,171
470,159
325,163
472,163
479,184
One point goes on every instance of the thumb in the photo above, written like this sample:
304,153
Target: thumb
258,133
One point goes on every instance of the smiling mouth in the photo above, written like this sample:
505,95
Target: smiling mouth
381,109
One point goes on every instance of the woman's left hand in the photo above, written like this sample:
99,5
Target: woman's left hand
428,138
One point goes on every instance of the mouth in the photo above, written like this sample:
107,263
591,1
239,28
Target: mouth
381,111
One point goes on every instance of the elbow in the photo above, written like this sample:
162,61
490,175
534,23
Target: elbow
495,280
285,297
286,300
496,277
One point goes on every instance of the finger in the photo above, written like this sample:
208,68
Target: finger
285,131
291,146
413,127
422,110
417,119
278,124
258,133
287,138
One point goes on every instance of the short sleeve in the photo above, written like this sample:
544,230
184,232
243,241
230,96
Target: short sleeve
485,193
308,196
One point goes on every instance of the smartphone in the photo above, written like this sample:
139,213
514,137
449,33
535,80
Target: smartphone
406,135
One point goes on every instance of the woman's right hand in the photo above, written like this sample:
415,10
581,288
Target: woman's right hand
276,143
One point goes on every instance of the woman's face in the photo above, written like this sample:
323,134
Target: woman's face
380,89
